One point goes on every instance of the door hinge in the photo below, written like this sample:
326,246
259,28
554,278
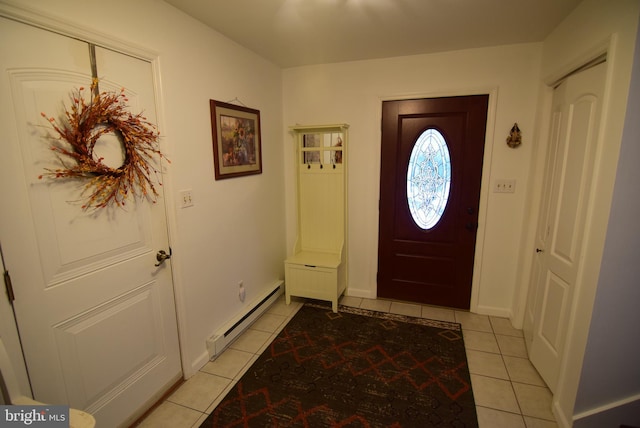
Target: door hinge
8,286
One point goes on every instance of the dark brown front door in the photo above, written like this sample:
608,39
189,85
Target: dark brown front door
427,230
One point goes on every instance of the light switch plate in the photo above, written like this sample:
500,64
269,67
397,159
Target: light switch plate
186,198
503,185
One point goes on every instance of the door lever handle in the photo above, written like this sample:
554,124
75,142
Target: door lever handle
161,256
538,250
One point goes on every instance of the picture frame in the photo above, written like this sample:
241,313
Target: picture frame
237,148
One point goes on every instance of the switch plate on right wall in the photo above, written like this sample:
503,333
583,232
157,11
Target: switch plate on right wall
504,185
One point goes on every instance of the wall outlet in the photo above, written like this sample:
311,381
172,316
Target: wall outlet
503,185
186,198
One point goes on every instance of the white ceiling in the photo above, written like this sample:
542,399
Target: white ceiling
301,32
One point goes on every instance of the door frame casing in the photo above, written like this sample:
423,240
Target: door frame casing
71,29
485,188
536,176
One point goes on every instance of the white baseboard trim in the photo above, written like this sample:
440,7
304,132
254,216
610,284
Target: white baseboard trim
618,404
494,311
360,292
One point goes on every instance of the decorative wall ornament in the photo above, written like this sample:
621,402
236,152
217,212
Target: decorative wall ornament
83,124
515,137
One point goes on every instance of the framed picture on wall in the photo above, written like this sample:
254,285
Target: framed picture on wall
236,140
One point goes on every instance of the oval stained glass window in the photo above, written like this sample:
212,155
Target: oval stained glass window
428,179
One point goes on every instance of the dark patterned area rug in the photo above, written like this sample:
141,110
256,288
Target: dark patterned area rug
356,368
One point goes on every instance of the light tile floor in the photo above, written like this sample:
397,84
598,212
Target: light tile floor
507,390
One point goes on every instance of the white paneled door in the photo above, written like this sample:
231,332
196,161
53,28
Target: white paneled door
96,316
577,107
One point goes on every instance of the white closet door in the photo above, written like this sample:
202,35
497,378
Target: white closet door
558,264
96,317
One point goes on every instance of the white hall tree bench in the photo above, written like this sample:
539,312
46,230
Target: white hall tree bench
316,268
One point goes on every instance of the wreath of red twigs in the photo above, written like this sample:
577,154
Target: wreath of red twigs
84,123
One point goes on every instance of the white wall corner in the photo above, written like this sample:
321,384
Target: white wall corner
196,365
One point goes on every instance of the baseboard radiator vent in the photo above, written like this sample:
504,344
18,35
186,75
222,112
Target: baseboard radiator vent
232,329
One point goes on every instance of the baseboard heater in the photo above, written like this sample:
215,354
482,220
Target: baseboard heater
232,329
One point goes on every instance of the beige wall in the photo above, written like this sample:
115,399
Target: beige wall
353,92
